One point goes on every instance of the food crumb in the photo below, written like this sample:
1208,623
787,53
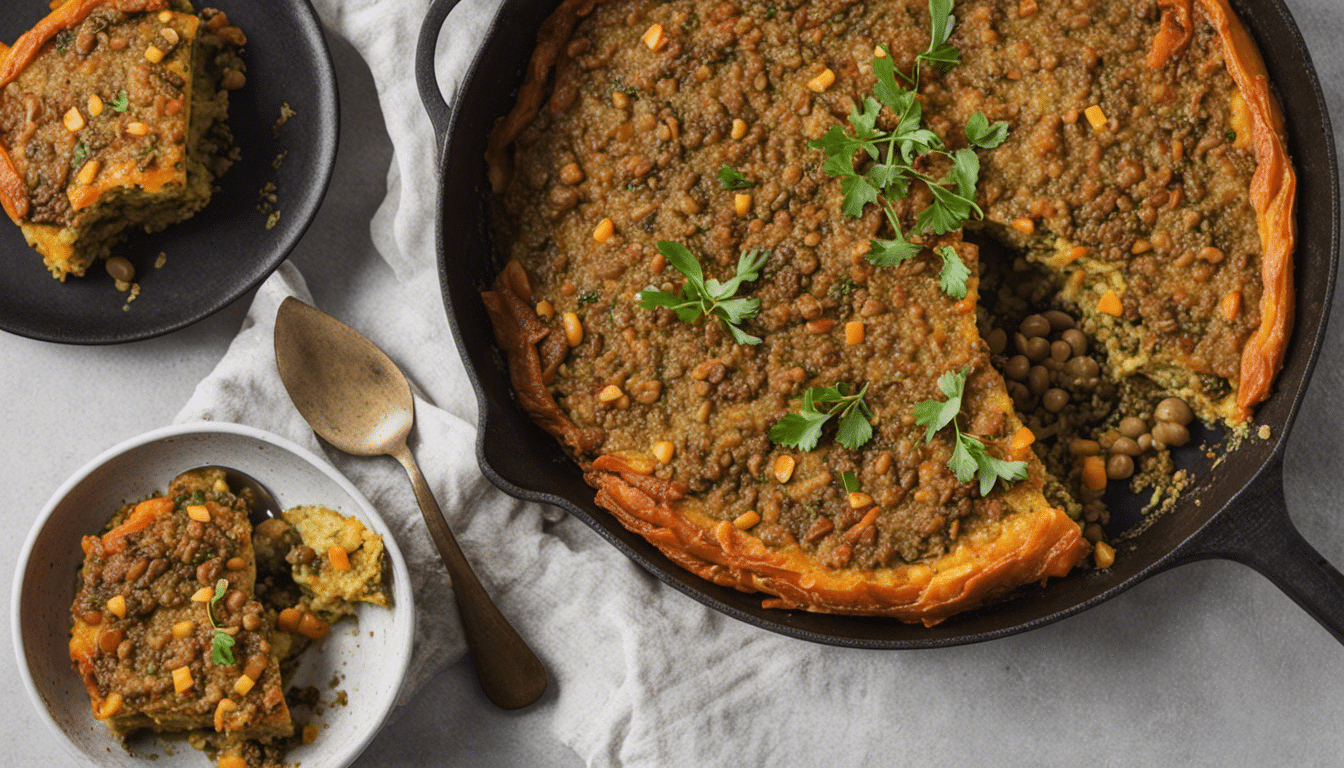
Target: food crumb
1264,432
279,159
266,197
286,112
272,220
160,260
131,296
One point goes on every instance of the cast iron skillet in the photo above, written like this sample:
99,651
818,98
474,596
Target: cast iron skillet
1234,510
226,249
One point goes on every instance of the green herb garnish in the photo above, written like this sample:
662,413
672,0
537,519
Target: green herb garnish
954,273
731,178
120,103
842,288
221,652
896,153
969,458
802,430
850,481
63,39
80,154
708,297
587,297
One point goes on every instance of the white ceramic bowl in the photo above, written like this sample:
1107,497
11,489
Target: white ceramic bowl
370,654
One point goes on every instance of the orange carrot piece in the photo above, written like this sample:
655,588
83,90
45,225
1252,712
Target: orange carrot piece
1110,304
1094,473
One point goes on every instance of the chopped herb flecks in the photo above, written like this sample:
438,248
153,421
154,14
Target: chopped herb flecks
731,178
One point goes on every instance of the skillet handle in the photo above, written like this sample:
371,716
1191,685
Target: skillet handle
1255,530
439,111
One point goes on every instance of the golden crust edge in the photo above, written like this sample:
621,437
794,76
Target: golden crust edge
1273,195
1026,547
1033,544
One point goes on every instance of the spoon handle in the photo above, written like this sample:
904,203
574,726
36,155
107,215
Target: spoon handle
510,673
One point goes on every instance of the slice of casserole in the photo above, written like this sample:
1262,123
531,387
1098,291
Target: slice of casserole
112,116
150,609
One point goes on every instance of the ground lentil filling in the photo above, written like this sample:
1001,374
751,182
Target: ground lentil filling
1124,182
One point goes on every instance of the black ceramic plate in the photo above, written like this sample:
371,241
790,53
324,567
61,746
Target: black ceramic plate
226,249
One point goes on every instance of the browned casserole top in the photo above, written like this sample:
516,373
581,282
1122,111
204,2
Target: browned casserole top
97,97
143,638
1131,169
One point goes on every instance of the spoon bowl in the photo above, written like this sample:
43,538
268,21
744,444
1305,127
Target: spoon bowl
356,399
261,503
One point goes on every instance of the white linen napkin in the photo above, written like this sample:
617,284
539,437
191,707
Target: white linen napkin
641,674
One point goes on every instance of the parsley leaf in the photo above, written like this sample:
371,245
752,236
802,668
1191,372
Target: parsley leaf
709,297
731,178
79,155
221,652
121,103
936,414
980,133
969,457
895,157
890,253
990,470
952,277
802,430
850,482
941,22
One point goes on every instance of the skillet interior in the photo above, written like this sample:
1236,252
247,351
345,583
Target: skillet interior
226,249
525,461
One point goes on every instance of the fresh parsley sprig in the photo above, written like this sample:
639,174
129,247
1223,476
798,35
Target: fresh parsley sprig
802,430
969,457
120,103
699,296
896,156
221,652
731,178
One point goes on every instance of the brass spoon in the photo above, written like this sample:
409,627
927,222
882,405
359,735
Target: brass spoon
357,400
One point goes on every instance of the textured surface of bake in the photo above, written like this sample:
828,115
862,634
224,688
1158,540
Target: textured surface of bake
333,587
1144,168
149,612
112,116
